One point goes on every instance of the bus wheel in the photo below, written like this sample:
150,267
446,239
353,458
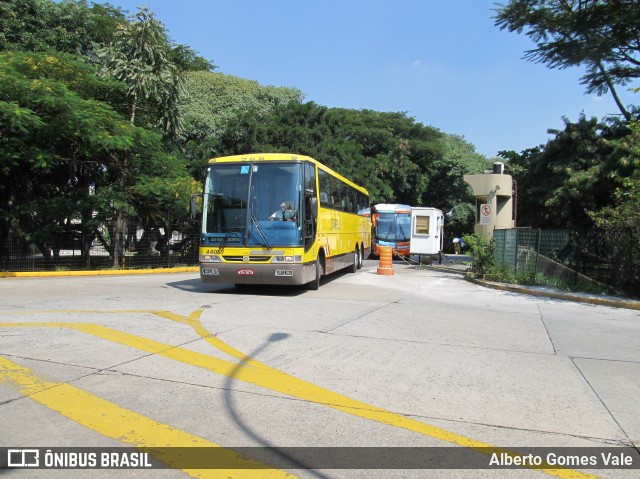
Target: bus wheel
356,260
315,284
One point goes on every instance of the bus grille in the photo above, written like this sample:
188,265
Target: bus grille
252,258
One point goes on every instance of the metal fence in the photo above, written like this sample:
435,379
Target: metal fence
598,259
78,246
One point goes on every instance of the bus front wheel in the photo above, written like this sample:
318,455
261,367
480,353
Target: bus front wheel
315,283
356,260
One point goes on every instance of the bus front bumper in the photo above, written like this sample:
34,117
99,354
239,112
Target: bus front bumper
285,274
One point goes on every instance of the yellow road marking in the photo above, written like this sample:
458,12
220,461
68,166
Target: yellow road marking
193,320
126,426
102,272
267,377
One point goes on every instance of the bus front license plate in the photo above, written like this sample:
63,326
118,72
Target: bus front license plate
245,272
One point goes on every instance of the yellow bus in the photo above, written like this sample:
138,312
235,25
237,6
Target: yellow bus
275,218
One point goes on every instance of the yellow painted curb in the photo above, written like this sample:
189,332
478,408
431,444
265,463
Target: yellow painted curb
102,272
616,303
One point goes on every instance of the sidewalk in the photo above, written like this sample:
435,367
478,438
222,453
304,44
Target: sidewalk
461,263
548,292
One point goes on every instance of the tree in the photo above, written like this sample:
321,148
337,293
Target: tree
395,158
625,211
601,35
187,60
66,26
57,139
572,175
140,56
359,145
211,100
462,159
72,26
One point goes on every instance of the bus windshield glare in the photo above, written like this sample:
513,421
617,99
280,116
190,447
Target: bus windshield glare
252,204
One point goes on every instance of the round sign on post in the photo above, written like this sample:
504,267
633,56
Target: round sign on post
486,214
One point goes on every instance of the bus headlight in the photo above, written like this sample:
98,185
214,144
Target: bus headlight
210,258
288,259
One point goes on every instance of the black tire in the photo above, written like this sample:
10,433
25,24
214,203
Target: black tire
314,285
356,260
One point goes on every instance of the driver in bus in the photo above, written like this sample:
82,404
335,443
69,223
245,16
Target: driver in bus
285,213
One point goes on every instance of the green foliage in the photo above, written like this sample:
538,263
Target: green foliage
625,210
461,218
140,56
73,26
395,158
211,101
66,26
163,200
574,174
486,266
65,127
483,251
600,35
353,143
47,107
57,140
188,60
460,158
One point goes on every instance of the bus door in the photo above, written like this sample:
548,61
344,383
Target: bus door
310,206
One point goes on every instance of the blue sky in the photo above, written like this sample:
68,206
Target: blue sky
443,62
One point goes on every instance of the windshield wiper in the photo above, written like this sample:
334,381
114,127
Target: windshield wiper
258,228
388,235
403,234
227,236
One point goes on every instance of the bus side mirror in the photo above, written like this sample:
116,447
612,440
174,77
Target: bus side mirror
193,207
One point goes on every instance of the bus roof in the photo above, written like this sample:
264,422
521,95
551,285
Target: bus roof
392,208
282,157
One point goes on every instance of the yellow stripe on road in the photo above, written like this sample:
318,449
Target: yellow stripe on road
357,408
260,374
127,426
100,272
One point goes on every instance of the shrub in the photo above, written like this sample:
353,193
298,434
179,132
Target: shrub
483,250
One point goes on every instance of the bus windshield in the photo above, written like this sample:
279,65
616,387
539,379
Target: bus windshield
392,227
253,204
